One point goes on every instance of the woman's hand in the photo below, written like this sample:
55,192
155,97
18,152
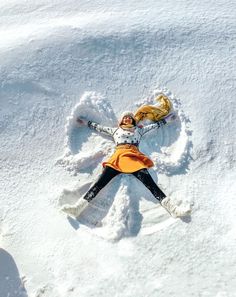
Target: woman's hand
81,121
170,118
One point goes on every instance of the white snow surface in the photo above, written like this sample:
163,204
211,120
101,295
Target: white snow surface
61,59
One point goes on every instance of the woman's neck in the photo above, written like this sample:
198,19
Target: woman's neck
127,126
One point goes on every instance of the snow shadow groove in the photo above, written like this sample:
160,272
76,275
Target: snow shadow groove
10,282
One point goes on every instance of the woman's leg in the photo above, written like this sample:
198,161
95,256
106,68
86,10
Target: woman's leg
76,209
144,176
107,175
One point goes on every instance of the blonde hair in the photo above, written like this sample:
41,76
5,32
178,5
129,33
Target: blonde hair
154,113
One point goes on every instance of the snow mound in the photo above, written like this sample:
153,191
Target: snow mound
83,149
169,147
118,212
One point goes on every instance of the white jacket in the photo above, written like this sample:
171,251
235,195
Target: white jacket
123,136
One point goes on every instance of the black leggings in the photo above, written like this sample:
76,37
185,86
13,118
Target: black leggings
109,173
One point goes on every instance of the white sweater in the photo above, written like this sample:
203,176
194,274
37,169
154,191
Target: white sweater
123,136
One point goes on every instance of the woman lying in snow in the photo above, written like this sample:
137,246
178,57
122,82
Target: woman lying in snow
126,159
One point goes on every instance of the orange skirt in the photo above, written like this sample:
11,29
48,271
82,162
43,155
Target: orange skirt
127,159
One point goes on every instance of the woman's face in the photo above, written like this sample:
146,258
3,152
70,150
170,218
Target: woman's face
127,120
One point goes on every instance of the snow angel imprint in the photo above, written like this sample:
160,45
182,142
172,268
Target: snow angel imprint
127,158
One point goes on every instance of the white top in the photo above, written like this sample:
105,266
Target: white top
126,136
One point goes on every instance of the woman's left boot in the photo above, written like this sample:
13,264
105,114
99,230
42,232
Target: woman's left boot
76,209
175,210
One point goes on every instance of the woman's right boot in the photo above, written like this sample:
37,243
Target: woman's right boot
76,209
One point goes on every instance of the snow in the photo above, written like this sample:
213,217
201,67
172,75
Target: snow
60,59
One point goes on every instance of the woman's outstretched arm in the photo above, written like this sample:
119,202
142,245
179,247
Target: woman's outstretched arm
102,129
95,126
171,117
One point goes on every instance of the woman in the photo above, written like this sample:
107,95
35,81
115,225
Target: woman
126,159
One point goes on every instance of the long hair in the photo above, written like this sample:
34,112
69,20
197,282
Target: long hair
154,113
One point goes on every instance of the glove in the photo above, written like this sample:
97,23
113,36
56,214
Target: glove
82,121
170,118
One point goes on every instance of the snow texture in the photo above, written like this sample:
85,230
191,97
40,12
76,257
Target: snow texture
63,59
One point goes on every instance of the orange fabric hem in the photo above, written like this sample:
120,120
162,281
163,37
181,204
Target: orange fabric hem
128,159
